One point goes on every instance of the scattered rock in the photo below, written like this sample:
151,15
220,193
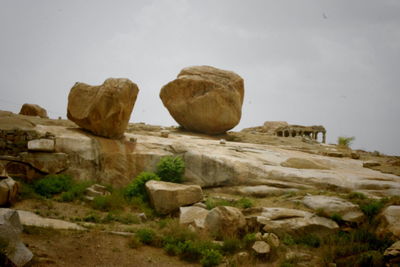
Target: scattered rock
289,220
50,163
242,257
205,99
193,214
261,247
392,253
225,221
8,191
164,133
272,239
371,163
46,145
96,190
167,197
105,109
258,236
302,163
33,110
330,206
10,230
389,221
222,142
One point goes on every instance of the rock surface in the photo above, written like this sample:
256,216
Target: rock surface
8,191
167,197
261,247
46,145
392,253
31,219
330,206
225,221
205,99
50,163
103,110
193,215
390,221
289,220
10,230
302,163
33,110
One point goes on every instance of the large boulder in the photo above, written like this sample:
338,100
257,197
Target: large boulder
205,99
168,197
389,221
50,163
330,206
193,215
11,244
105,109
33,110
225,221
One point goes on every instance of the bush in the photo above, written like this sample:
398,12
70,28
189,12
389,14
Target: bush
211,257
249,239
51,185
137,187
231,245
171,169
112,202
245,203
337,218
310,240
371,208
146,236
76,191
345,141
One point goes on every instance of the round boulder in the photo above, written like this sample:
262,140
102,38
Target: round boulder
104,110
33,110
205,99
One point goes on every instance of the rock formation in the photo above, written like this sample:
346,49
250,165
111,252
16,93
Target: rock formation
103,110
33,110
205,99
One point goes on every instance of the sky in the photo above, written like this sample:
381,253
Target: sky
310,62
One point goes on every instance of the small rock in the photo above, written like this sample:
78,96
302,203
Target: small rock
258,236
189,214
8,191
96,190
46,145
272,239
225,220
164,133
222,142
242,257
133,139
393,252
142,217
261,247
371,163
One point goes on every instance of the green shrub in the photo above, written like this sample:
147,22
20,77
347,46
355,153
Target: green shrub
112,202
371,208
337,218
245,203
231,245
288,240
137,187
146,236
310,240
171,169
211,257
122,218
249,239
76,191
212,203
345,141
92,217
53,184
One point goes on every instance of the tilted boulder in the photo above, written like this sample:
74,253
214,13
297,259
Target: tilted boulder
205,99
8,191
10,230
33,110
168,197
225,221
105,109
330,206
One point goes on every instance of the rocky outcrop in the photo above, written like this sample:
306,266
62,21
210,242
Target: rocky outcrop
33,110
225,221
289,220
205,99
103,110
49,163
10,230
330,206
167,197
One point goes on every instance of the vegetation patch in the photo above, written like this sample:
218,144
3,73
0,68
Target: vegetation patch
137,188
171,169
51,185
345,141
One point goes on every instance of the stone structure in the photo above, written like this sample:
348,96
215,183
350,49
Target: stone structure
303,131
33,110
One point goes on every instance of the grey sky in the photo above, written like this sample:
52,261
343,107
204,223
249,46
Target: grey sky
334,63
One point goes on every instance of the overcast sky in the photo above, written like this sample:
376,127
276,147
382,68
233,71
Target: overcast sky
333,63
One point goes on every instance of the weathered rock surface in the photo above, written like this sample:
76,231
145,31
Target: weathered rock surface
33,110
370,164
289,220
225,221
103,110
263,190
10,230
302,163
330,206
46,145
8,191
272,239
31,219
390,221
392,253
261,247
167,197
50,163
193,215
205,99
